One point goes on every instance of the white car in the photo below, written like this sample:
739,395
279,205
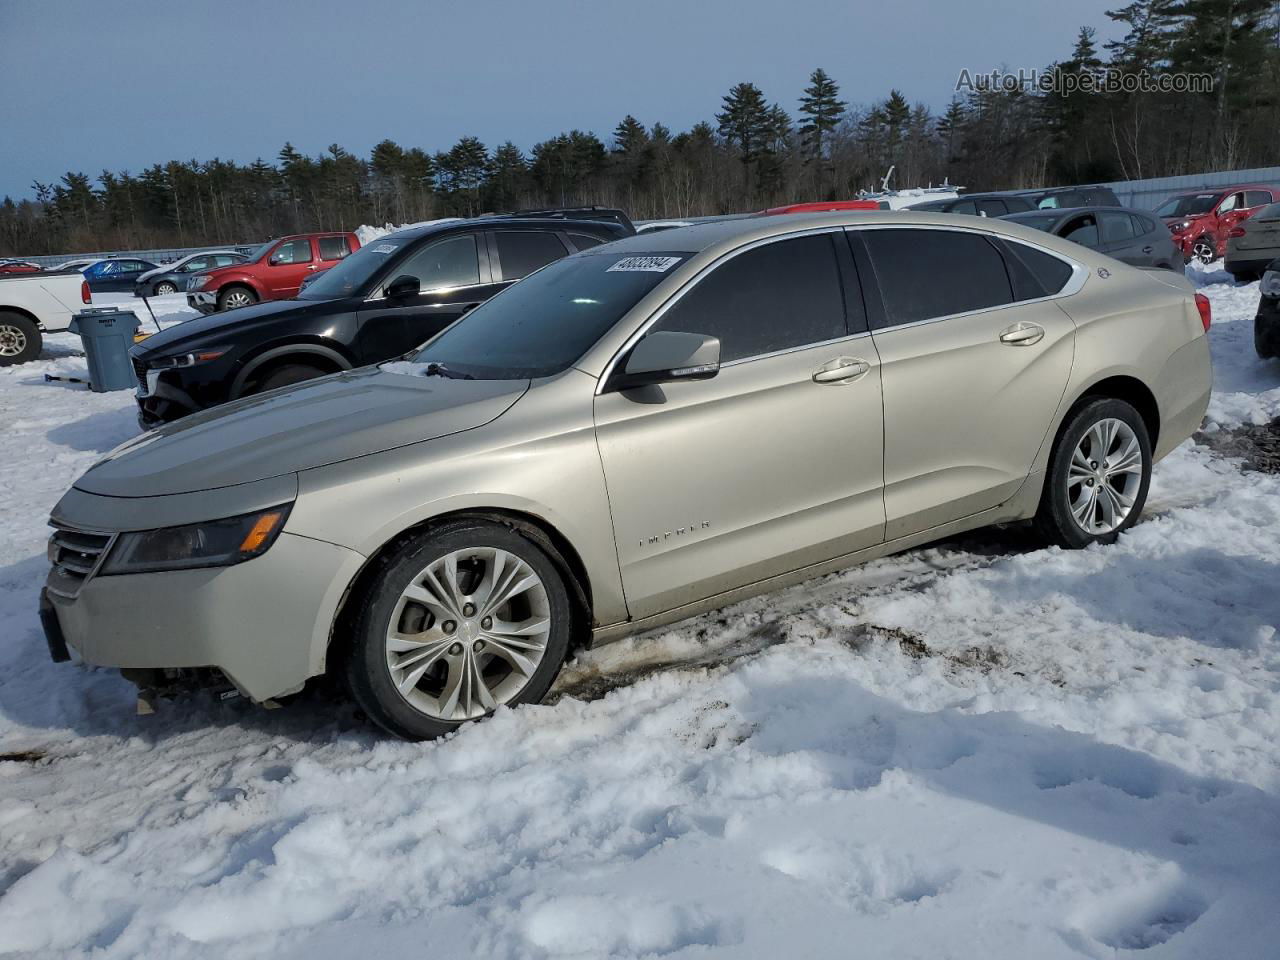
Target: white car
33,304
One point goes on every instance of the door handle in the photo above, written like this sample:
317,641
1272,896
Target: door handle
1022,334
1147,249
841,370
468,307
312,267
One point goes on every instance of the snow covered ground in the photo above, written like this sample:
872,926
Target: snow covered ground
981,749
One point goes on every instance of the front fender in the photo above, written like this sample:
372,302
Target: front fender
329,352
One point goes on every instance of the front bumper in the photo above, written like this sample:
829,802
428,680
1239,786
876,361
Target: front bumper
264,623
206,301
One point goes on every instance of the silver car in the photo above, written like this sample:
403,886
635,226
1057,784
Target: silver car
630,436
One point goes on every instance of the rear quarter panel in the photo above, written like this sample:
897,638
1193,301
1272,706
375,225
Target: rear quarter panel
1143,324
51,298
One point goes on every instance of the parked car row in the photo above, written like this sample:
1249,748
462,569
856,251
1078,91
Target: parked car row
576,458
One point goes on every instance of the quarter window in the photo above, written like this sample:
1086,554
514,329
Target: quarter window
1051,273
926,274
774,297
523,251
585,242
449,263
333,248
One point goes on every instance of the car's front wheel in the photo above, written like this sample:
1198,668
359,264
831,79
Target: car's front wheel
1203,250
235,297
1099,472
164,288
455,623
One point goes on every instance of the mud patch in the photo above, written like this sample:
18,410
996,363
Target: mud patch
1257,445
23,756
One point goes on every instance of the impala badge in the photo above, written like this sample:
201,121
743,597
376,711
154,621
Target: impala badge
678,532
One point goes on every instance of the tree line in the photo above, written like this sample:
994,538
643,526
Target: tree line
753,153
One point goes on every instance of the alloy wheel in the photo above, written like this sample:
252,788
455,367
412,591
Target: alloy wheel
237,298
1203,251
12,340
1104,476
164,289
468,633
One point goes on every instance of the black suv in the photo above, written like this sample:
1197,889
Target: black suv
1052,198
382,301
978,205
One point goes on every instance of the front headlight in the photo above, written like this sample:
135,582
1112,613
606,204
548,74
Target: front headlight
1271,283
216,543
186,359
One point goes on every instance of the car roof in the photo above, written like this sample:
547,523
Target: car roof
555,223
1070,211
723,235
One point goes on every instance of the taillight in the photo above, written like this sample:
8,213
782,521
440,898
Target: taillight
1206,311
85,295
1236,232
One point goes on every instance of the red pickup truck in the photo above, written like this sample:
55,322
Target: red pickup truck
274,271
1200,221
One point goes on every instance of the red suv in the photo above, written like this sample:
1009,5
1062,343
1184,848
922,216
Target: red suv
274,271
1201,221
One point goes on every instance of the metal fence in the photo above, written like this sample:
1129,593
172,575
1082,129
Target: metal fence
166,255
1148,194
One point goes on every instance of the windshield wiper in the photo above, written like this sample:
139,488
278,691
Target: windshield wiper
440,370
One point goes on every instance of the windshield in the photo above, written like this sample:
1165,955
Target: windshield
545,322
257,253
1043,222
1189,205
354,271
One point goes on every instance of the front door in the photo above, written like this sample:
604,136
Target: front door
288,263
972,376
770,466
453,276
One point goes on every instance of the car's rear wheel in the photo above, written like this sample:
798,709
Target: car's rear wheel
288,374
164,288
20,339
455,623
1266,338
234,297
1203,250
1099,473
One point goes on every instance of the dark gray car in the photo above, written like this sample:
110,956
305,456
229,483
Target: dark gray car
1133,236
173,277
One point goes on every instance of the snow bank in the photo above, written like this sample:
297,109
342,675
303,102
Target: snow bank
367,234
980,749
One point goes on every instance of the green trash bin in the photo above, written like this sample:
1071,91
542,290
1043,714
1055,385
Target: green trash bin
107,335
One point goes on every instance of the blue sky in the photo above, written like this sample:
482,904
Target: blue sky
122,84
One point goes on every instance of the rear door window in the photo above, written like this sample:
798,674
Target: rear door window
1116,227
965,206
927,274
775,297
333,248
1256,198
520,252
991,207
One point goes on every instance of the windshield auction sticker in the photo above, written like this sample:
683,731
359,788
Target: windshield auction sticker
644,265
386,248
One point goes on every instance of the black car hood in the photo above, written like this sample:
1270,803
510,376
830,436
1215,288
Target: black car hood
335,418
204,330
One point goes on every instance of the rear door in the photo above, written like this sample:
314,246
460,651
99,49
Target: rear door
1262,235
771,465
284,269
454,276
331,249
974,360
1119,239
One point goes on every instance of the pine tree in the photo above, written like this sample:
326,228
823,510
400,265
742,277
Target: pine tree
744,121
822,108
508,177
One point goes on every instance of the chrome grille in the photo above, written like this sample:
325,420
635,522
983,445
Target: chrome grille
140,371
75,555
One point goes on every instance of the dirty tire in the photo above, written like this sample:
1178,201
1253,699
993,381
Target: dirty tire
1055,519
20,339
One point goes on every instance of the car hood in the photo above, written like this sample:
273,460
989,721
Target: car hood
335,418
163,268
178,335
1189,218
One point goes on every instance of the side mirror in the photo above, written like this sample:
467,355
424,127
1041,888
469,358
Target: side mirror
668,357
403,286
